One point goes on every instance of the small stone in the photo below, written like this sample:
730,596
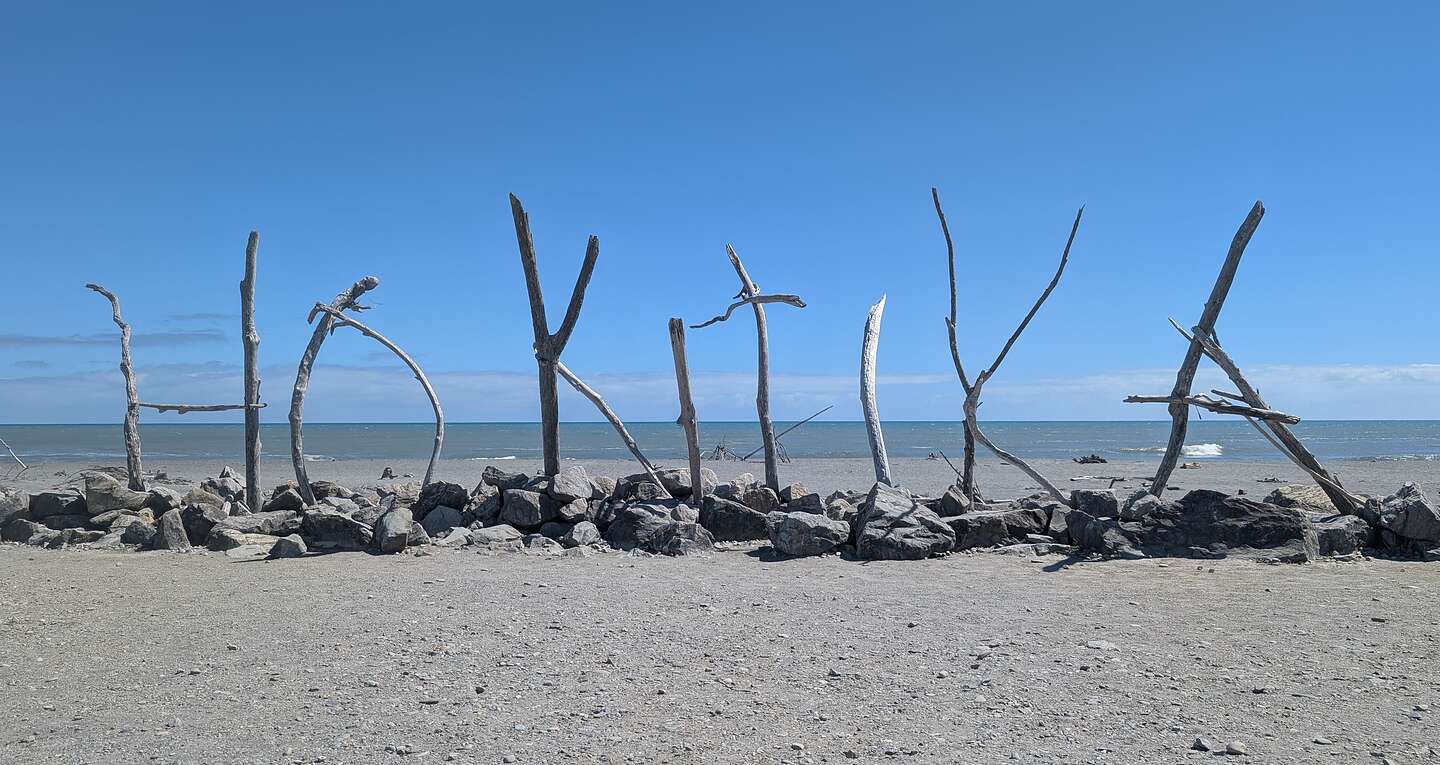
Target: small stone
1321,740
509,758
1203,745
291,546
1236,747
1102,645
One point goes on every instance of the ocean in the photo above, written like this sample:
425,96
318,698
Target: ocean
1208,439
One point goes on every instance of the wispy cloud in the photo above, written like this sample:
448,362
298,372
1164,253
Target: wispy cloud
139,339
202,316
32,364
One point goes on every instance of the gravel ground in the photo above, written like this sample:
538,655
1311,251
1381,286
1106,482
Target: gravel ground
732,658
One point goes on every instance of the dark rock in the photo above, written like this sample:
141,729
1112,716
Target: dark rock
162,498
275,523
982,528
573,511
13,506
789,493
645,491
24,529
524,509
953,502
1342,534
571,484
291,546
636,525
802,534
324,490
105,494
761,499
83,536
1105,536
138,532
485,505
288,501
495,534
66,521
1096,503
1222,524
225,487
555,529
581,534
1139,505
682,538
677,482
199,519
171,532
892,526
441,519
439,494
60,502
418,535
325,528
392,530
730,521
1407,514
806,503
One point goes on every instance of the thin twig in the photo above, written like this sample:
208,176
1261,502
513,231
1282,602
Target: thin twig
787,430
752,300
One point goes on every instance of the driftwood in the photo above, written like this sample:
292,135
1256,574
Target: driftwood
615,422
973,388
16,457
188,408
1179,409
345,301
869,347
548,346
782,433
132,399
1219,407
250,338
750,294
341,320
687,411
967,476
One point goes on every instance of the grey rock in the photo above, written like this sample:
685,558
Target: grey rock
953,502
636,525
1408,514
485,505
1308,497
581,534
1139,505
346,506
162,498
44,504
524,509
1105,536
790,492
438,494
730,521
288,501
171,532
555,529
392,530
494,476
137,532
892,526
324,490
571,484
66,521
984,528
441,519
455,537
24,529
222,539
324,528
604,487
677,482
761,499
1342,534
682,538
802,534
201,497
104,494
225,487
275,523
291,546
495,534
418,536
1224,524
1096,503
199,519
573,511
806,503
13,506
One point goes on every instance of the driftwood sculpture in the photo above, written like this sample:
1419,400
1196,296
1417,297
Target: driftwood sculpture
345,301
615,422
869,347
250,338
687,411
750,295
132,399
974,388
548,346
341,320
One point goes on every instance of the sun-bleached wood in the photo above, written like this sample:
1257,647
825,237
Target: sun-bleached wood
615,422
341,320
548,346
967,475
188,408
687,419
16,457
1179,410
752,300
869,348
132,399
345,301
1219,407
250,338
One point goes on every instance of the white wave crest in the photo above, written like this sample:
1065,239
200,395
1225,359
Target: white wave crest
1202,450
487,459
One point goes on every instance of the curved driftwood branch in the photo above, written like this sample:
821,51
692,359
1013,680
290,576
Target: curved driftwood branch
548,347
615,421
869,348
752,300
1049,288
687,418
342,320
132,399
250,338
1219,407
1024,466
1180,411
188,408
345,301
967,476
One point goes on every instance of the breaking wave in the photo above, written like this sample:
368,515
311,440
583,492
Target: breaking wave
1202,450
496,459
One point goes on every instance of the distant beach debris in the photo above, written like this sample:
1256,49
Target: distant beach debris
1090,459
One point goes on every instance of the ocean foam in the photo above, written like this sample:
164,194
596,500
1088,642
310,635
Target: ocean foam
1202,450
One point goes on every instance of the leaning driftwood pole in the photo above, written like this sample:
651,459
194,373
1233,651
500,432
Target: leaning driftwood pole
342,320
250,337
1179,409
869,347
16,457
967,476
132,399
687,410
342,302
615,422
548,346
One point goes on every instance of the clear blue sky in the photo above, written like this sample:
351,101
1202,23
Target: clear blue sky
139,148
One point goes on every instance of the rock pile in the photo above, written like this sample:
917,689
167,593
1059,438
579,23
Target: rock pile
574,512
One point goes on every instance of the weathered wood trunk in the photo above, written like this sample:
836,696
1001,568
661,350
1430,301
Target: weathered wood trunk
1179,410
344,301
133,468
967,475
869,348
687,411
251,339
548,347
615,422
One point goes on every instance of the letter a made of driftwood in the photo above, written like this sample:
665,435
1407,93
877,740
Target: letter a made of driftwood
132,399
687,411
345,301
750,294
869,348
615,422
342,320
548,346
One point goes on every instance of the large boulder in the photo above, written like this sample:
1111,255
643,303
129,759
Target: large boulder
636,525
982,528
1342,534
1109,537
802,534
893,526
525,509
163,498
574,511
677,481
1210,522
1096,503
328,529
571,484
495,534
441,519
761,499
137,531
275,523
171,532
25,530
103,494
44,504
1308,497
1140,504
291,546
287,501
485,505
1408,519
730,521
953,502
66,521
13,506
502,480
682,538
199,519
392,530
439,494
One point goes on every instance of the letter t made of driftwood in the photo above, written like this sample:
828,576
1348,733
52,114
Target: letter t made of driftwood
549,346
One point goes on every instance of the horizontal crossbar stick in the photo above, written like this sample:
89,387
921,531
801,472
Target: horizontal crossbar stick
188,408
1219,407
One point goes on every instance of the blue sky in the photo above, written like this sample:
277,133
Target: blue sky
139,148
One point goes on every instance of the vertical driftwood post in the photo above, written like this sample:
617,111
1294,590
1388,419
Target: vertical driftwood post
687,410
548,346
132,399
1179,409
869,347
251,339
615,422
967,475
342,302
